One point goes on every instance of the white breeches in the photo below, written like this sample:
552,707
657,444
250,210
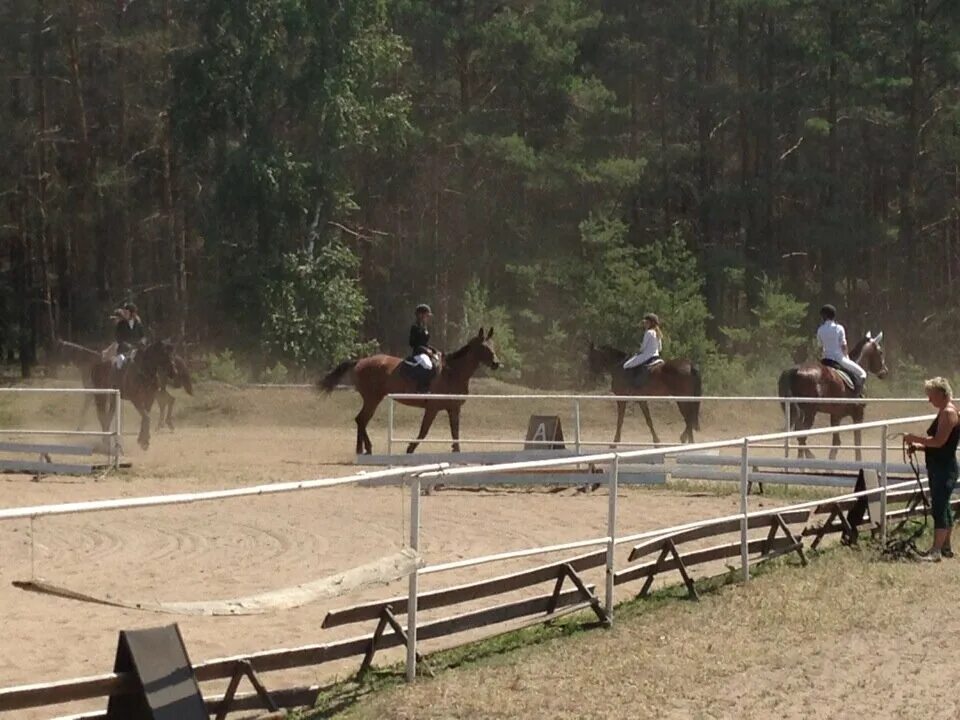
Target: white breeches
424,361
638,360
119,360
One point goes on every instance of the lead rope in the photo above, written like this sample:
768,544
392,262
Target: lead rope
905,548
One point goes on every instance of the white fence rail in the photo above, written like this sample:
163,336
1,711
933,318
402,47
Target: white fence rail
111,436
436,472
576,406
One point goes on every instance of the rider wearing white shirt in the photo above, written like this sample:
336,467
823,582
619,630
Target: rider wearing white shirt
833,340
650,349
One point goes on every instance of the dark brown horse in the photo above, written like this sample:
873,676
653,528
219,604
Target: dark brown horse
816,380
377,376
138,381
672,377
180,379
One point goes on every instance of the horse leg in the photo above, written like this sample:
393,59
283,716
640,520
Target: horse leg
364,446
687,434
429,415
170,401
621,409
162,407
804,422
646,416
834,421
143,439
453,414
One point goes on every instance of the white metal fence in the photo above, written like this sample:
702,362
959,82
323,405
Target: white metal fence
576,403
432,473
111,436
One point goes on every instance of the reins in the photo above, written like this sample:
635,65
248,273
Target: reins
905,547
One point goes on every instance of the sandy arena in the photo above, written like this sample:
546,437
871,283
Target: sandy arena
227,438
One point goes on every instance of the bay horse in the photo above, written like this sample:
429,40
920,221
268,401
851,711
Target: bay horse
671,377
816,380
138,381
178,379
377,376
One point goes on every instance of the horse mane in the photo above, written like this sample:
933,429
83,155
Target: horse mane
858,348
457,354
612,352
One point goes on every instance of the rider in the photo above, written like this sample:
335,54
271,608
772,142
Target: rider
833,339
129,333
650,349
423,354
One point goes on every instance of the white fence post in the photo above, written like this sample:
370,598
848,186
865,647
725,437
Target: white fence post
744,484
414,580
389,425
787,410
883,484
612,486
118,419
576,424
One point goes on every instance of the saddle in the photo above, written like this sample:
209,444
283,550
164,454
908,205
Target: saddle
841,372
638,375
421,377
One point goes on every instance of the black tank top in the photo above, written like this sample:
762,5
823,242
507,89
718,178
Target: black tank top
946,452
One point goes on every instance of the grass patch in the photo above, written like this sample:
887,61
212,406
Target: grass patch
341,699
519,659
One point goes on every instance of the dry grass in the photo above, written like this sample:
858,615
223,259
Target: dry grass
848,636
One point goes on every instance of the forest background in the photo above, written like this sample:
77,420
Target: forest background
276,183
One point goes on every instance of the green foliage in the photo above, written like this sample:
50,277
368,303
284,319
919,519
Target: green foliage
222,367
775,333
276,375
479,313
315,308
617,284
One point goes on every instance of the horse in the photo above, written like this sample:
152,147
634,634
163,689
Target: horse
377,376
179,379
138,381
816,380
671,377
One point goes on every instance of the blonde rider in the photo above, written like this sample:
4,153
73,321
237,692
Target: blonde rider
650,348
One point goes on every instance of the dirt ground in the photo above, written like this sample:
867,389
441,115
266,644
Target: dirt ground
228,437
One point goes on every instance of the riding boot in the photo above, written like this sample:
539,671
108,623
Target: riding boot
639,376
424,381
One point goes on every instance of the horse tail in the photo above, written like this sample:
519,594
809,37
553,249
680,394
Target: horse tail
332,378
698,392
785,389
183,375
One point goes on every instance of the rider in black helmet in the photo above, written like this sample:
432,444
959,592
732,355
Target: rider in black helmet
128,333
423,354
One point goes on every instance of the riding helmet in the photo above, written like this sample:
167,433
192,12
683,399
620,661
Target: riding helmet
424,308
652,317
828,311
131,307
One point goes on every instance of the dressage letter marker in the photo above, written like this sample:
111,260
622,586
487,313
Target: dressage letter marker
544,429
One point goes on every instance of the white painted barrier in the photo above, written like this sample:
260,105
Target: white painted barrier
432,473
44,464
576,401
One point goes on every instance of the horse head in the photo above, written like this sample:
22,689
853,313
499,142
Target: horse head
871,356
158,358
488,353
